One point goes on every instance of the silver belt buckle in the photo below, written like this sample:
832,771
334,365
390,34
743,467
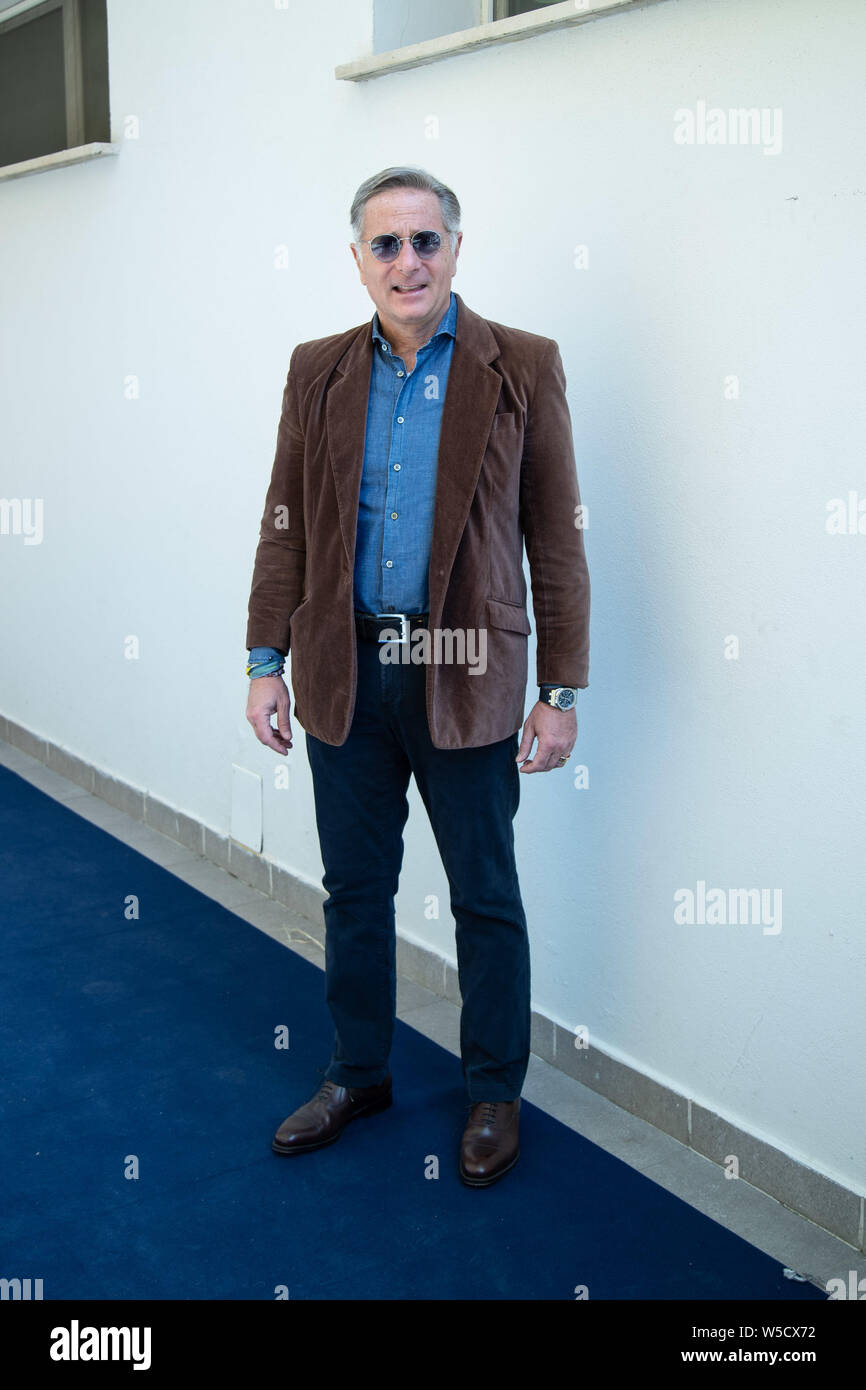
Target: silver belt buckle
404,627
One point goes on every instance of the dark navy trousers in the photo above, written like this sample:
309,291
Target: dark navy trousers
471,796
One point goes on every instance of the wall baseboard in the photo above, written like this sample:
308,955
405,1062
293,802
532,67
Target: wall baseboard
809,1193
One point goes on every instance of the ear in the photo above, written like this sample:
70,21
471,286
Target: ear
358,262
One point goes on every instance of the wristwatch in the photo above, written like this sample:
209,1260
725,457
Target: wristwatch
559,696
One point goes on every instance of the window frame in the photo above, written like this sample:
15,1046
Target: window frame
73,66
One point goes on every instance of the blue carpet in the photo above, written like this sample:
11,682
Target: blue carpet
155,1038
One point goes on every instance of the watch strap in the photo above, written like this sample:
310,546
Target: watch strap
544,691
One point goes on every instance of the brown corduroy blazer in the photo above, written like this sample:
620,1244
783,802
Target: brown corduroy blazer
505,475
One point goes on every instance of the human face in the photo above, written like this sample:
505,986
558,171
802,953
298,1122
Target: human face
410,294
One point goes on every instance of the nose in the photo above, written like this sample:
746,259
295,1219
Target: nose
407,258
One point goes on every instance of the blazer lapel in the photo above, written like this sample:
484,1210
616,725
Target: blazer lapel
346,422
467,415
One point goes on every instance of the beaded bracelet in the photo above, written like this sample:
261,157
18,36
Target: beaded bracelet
272,666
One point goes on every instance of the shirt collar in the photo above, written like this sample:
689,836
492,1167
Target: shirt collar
447,324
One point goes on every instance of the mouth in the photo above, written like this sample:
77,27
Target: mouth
409,291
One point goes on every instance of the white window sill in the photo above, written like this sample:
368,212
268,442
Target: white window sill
522,26
59,160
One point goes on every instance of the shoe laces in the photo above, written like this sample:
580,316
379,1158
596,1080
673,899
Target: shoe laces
488,1114
325,1090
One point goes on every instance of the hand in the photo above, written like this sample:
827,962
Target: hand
269,694
556,731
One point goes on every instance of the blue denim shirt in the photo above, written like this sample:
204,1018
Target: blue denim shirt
398,481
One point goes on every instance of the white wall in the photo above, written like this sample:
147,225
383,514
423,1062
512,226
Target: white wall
707,515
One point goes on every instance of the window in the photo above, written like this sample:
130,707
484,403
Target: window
464,26
53,79
506,9
410,33
397,23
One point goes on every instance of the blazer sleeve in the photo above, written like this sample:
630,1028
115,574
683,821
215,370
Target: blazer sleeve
552,526
280,561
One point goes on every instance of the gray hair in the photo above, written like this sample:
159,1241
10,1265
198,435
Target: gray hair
406,176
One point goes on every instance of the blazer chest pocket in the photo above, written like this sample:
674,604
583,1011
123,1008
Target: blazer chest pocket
508,615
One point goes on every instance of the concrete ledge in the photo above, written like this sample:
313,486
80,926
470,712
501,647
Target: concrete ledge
215,847
249,867
419,963
69,765
523,26
628,1088
804,1190
116,793
799,1188
61,159
300,896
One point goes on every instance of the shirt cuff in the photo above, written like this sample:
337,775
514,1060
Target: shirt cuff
265,653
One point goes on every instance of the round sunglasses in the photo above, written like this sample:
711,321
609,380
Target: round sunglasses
387,247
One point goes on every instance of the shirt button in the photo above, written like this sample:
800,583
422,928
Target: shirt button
384,347
401,373
399,419
389,563
396,468
393,516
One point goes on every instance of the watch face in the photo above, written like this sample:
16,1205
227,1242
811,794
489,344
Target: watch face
565,699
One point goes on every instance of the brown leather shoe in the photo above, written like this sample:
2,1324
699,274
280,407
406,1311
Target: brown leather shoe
322,1120
489,1146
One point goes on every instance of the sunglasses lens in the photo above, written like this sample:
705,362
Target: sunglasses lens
426,243
385,248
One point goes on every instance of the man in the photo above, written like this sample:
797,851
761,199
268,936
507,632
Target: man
414,457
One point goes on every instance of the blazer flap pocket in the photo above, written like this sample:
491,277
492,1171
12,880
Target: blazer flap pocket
510,615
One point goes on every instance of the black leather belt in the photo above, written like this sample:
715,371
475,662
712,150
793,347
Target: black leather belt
370,626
